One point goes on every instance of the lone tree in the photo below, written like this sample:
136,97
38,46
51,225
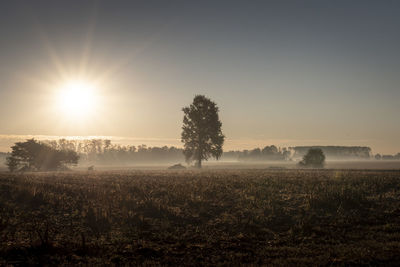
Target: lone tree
201,131
314,158
36,156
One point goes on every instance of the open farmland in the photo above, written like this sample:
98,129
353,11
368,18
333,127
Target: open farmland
215,217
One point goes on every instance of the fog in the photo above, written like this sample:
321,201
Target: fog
102,154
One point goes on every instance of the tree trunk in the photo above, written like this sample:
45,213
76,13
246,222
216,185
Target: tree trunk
199,154
199,163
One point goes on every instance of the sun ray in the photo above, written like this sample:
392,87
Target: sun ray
87,47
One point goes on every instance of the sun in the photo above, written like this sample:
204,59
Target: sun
76,99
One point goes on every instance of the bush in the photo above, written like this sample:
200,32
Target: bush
314,158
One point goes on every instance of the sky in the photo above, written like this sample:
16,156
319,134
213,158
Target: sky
282,72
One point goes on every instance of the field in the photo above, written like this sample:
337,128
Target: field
212,217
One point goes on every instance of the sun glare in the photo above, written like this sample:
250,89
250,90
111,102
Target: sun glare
76,99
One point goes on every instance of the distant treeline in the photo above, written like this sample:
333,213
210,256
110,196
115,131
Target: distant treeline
258,154
103,151
387,157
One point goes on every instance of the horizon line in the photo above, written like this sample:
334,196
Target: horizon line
235,144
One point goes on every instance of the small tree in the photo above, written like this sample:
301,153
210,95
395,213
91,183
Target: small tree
33,155
12,163
314,158
201,131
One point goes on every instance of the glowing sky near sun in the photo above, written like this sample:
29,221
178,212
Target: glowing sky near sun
316,71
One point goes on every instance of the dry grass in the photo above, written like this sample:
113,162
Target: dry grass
218,217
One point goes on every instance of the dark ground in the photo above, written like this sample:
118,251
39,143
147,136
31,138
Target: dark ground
215,217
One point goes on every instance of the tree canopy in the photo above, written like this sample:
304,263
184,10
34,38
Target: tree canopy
314,158
201,131
36,156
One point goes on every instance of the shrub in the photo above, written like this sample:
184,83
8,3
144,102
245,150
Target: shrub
314,158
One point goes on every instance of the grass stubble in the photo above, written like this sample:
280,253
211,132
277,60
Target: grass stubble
216,217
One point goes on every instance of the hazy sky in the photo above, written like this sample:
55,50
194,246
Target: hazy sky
282,72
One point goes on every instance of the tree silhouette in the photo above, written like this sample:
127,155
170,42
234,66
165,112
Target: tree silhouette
314,158
201,131
34,155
